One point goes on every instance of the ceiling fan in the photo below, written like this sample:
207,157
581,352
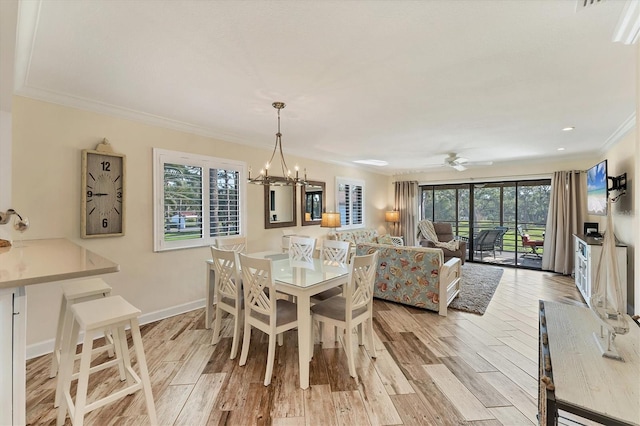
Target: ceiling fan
460,163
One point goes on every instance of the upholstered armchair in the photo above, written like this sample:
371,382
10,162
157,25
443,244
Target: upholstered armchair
444,231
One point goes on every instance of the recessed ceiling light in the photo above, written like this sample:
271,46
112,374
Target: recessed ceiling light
568,129
372,162
560,149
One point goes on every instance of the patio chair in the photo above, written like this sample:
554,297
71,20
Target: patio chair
486,241
528,242
499,241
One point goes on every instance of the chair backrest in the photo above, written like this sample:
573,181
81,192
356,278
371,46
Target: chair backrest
335,251
503,230
523,235
237,244
301,248
259,289
227,276
487,238
362,278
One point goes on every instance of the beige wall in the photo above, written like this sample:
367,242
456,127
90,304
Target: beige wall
47,140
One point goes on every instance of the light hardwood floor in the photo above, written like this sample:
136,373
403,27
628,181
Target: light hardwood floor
462,369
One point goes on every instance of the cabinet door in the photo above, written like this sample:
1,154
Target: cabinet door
6,356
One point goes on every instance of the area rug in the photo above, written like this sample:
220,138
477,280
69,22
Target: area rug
477,286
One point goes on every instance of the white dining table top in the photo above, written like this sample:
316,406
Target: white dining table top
46,260
303,274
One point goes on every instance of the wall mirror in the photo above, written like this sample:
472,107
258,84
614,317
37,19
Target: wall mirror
279,205
312,201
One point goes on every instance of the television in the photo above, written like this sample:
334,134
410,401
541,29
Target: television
597,192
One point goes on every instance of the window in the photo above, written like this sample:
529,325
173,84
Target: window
196,199
350,202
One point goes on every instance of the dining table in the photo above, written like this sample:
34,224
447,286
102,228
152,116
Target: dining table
32,262
303,280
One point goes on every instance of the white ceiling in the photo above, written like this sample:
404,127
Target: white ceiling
401,81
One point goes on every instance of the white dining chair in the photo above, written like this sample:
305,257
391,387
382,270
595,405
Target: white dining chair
237,244
263,310
332,252
353,308
228,287
301,248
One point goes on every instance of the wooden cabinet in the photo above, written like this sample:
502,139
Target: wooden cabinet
587,258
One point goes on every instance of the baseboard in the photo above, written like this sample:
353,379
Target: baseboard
46,347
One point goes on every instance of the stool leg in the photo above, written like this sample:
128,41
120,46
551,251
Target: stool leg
67,358
124,353
58,342
83,379
117,344
144,373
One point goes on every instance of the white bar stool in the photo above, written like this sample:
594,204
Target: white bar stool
110,312
76,292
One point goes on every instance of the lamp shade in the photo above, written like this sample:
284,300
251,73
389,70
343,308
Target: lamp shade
392,216
330,220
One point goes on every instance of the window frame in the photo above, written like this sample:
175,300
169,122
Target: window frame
162,157
352,183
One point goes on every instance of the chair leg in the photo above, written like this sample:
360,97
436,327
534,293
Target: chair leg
348,348
372,343
280,339
215,338
236,335
57,352
271,355
245,342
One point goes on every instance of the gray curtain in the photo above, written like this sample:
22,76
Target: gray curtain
565,218
406,201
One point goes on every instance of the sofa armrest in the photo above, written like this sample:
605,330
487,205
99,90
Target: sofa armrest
450,274
427,243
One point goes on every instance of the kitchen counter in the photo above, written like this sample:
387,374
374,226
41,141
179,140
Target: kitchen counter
32,262
40,261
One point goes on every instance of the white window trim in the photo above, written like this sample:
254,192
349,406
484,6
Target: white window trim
162,156
352,182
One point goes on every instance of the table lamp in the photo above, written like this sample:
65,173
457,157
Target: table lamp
392,216
330,220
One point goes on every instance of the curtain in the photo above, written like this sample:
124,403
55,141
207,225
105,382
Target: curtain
406,202
565,217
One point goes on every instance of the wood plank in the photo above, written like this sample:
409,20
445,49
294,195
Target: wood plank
411,408
510,416
350,408
509,369
463,400
318,406
193,366
201,400
474,381
520,399
379,406
394,382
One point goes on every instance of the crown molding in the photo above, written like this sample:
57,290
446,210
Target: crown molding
628,28
619,133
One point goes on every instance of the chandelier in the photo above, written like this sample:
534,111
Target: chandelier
286,179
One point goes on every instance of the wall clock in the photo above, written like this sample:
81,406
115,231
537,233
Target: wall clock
103,192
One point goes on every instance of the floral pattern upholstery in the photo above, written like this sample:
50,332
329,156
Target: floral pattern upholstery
408,275
357,236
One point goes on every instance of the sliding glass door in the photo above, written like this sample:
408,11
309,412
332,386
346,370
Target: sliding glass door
492,217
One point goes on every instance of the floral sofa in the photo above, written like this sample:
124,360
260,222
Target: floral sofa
367,235
416,276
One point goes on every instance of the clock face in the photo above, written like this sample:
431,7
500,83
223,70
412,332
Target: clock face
103,198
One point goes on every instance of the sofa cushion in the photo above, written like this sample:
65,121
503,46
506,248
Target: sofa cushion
357,236
385,239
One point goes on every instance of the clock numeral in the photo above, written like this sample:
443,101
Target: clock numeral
106,166
89,194
119,194
105,223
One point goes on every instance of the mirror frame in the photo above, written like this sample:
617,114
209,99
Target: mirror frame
267,210
303,196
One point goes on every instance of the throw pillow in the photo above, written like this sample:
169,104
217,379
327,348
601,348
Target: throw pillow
385,239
